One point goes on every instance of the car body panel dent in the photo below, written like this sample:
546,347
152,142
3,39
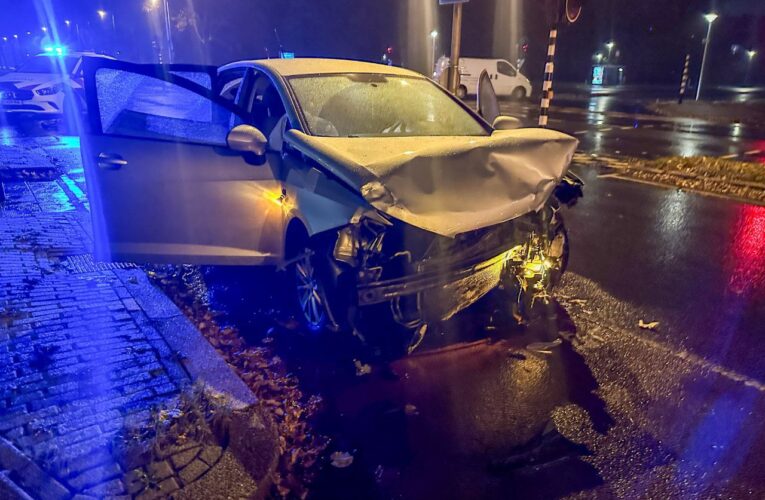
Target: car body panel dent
447,185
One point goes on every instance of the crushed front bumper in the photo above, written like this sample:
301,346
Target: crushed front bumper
448,290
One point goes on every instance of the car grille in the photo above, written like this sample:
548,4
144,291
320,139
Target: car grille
10,92
21,107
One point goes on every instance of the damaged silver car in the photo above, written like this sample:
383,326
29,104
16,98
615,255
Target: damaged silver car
387,203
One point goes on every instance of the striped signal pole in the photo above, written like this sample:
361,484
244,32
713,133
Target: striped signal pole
684,80
547,92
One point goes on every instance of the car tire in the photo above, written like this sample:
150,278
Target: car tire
306,293
462,92
518,93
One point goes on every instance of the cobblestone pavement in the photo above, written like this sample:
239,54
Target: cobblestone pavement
79,355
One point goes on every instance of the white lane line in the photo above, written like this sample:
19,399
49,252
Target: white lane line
605,129
689,357
580,132
627,127
648,126
728,157
752,152
606,176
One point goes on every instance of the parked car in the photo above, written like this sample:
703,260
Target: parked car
45,85
506,79
388,203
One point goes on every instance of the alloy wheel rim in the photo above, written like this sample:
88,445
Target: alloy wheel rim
309,295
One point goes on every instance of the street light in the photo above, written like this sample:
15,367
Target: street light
599,57
67,22
710,19
101,13
610,47
44,29
433,38
751,53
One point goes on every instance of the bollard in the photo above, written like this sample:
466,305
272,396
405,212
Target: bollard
547,92
684,80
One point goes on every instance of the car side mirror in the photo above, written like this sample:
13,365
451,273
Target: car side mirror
247,139
506,123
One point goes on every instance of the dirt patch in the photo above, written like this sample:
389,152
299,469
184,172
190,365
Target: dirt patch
737,179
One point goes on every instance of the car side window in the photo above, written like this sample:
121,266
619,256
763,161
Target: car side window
265,105
143,106
505,69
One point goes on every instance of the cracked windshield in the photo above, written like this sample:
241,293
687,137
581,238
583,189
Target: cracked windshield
409,249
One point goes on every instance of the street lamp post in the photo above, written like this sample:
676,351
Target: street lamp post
610,47
750,54
710,19
433,38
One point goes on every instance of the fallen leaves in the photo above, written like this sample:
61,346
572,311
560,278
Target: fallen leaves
362,368
265,375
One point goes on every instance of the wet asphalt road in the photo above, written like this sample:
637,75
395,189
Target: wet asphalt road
613,121
487,409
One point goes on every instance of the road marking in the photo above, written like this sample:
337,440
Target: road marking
728,157
606,129
752,152
648,126
580,132
627,127
686,356
606,176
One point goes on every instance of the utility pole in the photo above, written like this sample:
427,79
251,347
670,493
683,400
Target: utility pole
710,19
456,38
168,33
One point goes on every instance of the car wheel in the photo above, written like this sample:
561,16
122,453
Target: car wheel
310,300
519,93
462,92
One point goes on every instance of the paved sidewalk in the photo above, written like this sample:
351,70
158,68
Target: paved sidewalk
82,346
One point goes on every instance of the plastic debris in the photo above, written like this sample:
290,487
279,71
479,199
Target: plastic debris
411,410
341,459
648,326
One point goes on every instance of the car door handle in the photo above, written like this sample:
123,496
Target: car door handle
110,161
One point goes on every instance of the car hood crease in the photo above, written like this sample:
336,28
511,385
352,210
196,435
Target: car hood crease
447,185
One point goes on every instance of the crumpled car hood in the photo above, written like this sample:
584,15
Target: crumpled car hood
448,185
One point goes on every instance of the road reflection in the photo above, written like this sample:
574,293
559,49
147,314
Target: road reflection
468,415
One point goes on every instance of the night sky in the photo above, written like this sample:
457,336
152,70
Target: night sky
651,36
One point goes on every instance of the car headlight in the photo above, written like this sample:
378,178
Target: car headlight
53,89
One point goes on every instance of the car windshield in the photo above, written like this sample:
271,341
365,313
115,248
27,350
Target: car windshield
49,64
377,105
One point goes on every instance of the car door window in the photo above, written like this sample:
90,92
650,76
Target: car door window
138,105
504,68
265,106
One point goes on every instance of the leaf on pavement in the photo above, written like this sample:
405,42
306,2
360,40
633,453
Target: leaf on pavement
648,326
362,368
341,459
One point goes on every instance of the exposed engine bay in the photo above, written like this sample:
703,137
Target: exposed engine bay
426,277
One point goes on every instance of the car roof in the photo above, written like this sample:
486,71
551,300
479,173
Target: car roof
318,66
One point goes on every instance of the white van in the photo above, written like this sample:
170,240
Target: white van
507,80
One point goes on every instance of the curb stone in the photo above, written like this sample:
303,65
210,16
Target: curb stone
32,480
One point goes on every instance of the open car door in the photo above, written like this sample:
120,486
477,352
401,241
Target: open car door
162,183
487,103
